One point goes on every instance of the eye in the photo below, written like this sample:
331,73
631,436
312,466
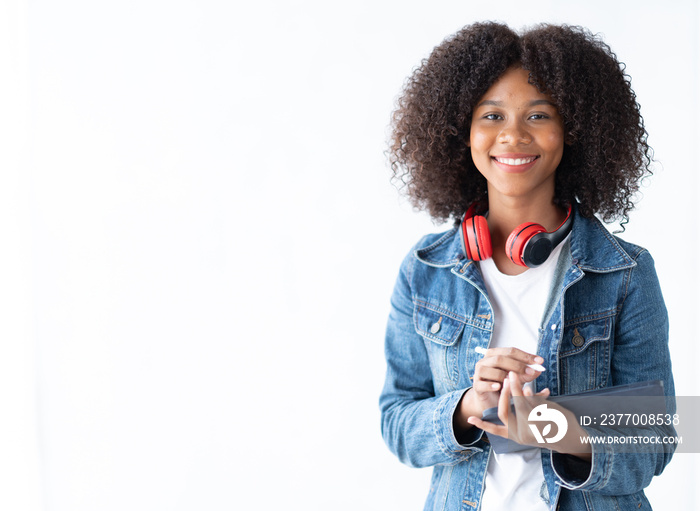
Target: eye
493,117
538,117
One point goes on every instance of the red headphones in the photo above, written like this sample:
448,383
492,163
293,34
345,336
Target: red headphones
528,245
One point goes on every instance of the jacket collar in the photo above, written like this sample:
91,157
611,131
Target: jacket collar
593,248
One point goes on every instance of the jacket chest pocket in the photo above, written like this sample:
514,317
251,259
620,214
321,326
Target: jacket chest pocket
584,355
441,333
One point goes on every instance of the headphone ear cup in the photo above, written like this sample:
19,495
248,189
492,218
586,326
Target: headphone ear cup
477,238
515,244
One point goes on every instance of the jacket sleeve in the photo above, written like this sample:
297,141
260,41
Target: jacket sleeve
416,424
640,353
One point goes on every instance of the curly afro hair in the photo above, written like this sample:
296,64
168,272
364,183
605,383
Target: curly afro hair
606,152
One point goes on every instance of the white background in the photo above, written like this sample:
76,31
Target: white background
199,239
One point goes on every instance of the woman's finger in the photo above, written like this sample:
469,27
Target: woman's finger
486,386
496,366
504,403
515,354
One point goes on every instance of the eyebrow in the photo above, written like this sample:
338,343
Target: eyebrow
537,102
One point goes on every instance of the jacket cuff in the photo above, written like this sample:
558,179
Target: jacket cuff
443,426
576,474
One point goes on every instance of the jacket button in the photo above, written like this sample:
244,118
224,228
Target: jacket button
436,326
578,339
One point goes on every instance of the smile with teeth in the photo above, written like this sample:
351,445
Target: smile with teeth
515,161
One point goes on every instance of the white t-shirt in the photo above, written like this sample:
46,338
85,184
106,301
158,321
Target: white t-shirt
514,480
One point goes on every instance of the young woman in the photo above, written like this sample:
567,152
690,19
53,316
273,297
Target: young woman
521,140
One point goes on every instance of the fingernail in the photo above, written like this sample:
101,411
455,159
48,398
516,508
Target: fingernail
539,360
470,420
495,386
529,370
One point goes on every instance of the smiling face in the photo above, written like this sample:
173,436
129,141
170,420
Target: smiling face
517,139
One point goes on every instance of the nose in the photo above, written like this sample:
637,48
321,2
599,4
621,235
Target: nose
514,132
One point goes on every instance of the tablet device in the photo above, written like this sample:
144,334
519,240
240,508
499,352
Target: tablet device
645,398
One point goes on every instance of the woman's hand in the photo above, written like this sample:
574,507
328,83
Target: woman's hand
517,427
489,374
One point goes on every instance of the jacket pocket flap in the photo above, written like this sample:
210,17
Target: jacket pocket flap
437,326
579,336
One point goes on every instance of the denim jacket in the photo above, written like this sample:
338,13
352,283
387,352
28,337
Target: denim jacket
605,324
